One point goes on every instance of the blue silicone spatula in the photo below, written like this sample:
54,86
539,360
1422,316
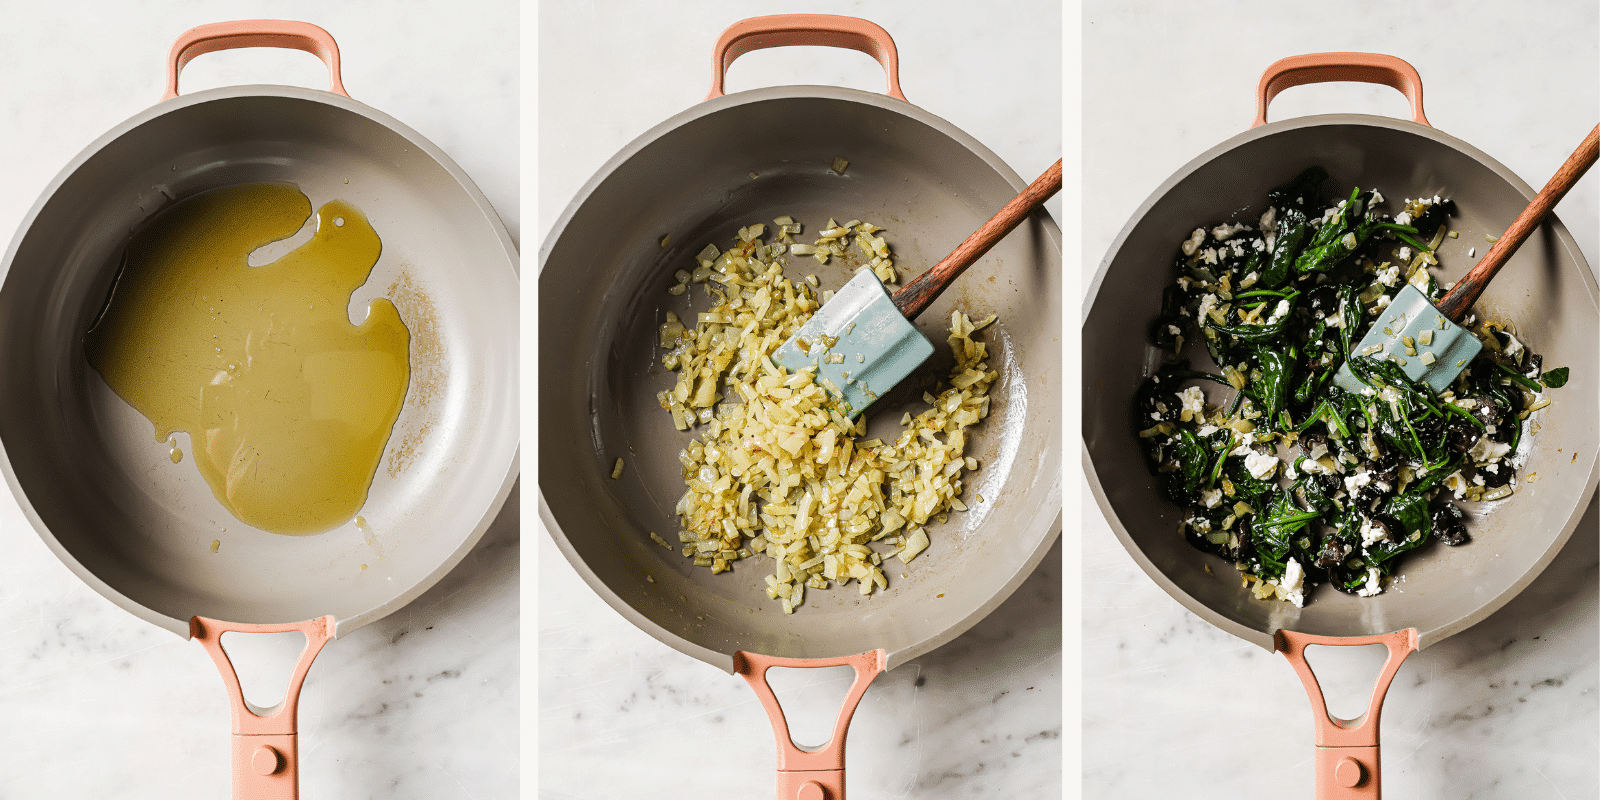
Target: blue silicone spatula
1426,340
873,330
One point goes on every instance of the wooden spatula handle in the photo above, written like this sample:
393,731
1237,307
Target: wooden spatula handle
1455,304
916,296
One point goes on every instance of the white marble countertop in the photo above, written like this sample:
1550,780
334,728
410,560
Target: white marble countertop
621,714
96,703
1174,707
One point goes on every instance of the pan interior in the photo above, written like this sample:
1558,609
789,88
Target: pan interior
87,466
1546,290
603,294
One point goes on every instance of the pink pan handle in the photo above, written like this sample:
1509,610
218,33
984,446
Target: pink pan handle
266,756
803,773
1346,764
821,30
253,33
1330,67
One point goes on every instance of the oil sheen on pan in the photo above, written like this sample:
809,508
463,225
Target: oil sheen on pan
288,405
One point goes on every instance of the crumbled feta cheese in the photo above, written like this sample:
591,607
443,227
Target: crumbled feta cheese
1472,251
1279,313
1383,302
1293,583
1269,218
1405,254
1358,480
1402,218
1371,534
1377,197
1193,243
1488,450
1390,276
1206,430
1194,402
1174,330
1373,585
1200,524
1208,301
1311,466
1456,484
1225,230
1261,465
1211,498
1209,255
1513,347
1245,441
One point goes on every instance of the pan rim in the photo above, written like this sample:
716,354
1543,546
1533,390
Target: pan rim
512,470
1048,224
1587,278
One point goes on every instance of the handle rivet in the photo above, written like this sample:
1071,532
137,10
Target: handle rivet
1348,772
266,760
811,791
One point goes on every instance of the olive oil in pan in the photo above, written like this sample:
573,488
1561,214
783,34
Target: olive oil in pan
287,404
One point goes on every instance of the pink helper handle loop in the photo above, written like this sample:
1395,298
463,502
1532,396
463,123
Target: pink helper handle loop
790,30
266,754
1330,67
1346,764
287,34
809,774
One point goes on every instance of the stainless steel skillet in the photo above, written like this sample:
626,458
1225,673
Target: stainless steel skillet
84,466
1553,301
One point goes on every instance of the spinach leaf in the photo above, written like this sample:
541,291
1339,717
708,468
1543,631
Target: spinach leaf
1522,380
1277,375
1411,509
1435,476
1258,334
1290,236
1253,490
1191,457
1555,378
1273,533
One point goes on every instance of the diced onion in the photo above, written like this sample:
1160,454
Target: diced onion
780,470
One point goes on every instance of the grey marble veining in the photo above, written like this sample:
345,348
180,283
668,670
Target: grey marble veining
96,703
622,715
1174,707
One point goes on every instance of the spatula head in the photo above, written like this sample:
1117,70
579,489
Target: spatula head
880,347
1439,349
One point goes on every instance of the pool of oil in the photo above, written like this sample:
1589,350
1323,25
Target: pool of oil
287,403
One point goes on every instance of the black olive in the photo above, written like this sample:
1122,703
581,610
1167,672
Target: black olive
1448,525
1486,411
1310,439
1369,494
1386,468
1246,541
1329,484
1460,435
1391,527
1161,334
1499,476
1332,554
